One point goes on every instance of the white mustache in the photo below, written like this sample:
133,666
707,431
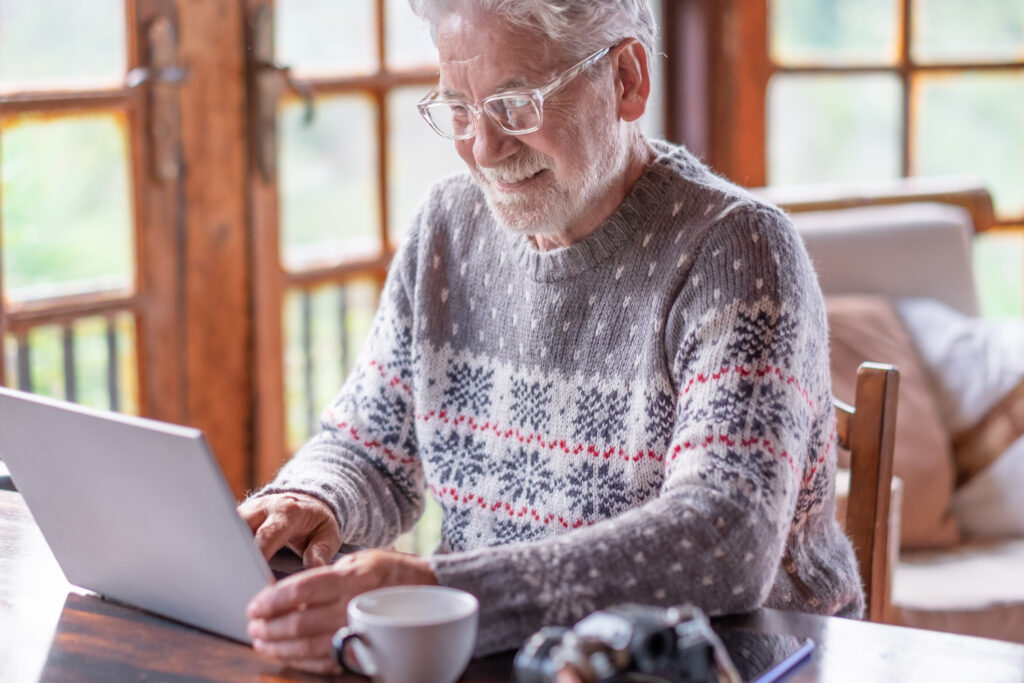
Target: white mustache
513,170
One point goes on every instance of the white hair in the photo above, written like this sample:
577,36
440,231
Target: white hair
577,27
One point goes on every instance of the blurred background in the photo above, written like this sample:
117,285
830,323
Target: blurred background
199,198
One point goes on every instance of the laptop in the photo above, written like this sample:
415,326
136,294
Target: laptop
135,510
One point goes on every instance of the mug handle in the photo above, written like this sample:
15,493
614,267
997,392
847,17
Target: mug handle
341,639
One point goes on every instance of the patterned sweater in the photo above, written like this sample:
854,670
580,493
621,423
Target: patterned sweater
642,416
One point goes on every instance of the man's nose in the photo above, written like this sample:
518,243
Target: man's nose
491,144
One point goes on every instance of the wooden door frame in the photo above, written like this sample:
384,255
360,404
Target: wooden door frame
710,43
215,266
266,361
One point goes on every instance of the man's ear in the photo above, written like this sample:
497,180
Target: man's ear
632,80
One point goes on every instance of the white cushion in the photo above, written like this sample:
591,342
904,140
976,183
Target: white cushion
973,362
990,504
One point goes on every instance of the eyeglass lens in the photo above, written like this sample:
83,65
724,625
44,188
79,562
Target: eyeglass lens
515,113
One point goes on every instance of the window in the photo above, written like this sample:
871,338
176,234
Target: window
863,91
353,161
80,304
198,208
348,183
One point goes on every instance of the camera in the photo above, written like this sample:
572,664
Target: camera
628,643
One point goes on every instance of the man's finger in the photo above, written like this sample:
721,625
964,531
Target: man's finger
309,588
309,654
323,545
316,555
273,534
312,622
253,514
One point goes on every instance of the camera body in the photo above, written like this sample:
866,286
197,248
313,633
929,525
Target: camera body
628,642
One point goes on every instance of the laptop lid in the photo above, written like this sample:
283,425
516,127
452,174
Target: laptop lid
134,509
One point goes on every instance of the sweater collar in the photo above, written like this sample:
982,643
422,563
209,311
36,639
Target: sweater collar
643,202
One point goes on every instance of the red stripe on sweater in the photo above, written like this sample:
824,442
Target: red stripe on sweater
766,371
443,493
392,381
829,443
377,446
612,451
710,439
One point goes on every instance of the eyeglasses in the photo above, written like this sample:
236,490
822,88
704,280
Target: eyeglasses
517,112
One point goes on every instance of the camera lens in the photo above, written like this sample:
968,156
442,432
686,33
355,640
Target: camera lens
533,663
658,645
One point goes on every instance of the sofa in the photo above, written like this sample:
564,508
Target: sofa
898,281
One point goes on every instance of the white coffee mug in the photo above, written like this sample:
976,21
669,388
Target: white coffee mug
409,634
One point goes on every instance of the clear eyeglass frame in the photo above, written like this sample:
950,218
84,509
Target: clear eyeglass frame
517,112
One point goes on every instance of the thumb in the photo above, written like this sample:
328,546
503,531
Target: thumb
321,548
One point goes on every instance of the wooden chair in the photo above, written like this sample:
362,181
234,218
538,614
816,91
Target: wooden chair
867,429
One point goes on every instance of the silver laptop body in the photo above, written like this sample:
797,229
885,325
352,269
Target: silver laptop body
133,509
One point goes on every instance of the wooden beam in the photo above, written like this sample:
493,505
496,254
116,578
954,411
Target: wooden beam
740,84
339,274
61,101
159,240
217,274
266,362
686,41
717,77
968,193
21,317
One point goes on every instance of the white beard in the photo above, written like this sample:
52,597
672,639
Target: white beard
551,205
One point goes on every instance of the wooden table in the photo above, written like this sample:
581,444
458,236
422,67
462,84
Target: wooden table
52,631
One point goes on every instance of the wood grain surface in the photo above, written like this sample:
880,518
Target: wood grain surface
52,631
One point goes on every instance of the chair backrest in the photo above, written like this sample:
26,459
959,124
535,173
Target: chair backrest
867,429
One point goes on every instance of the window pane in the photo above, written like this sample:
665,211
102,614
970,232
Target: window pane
329,184
833,128
127,364
409,43
999,273
326,36
834,31
66,205
90,360
973,123
324,330
46,361
10,351
93,372
61,44
417,157
954,30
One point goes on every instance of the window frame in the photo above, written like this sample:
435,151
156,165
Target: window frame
191,302
153,231
272,280
727,42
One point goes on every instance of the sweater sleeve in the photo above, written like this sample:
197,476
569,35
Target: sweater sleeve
748,357
364,463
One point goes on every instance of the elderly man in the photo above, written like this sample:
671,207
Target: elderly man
608,365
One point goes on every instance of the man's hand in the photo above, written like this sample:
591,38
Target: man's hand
303,523
294,619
